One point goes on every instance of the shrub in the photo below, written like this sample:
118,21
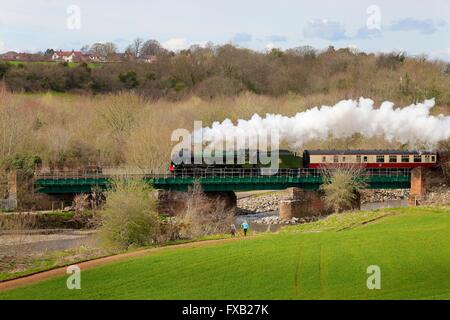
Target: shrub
341,187
204,216
81,202
22,162
130,217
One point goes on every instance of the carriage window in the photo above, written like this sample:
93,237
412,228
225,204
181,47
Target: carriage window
433,158
405,159
336,159
358,159
324,159
427,158
366,159
417,159
392,159
380,159
344,159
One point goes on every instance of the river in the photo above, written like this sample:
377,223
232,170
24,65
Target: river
260,228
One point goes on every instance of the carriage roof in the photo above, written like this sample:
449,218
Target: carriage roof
368,152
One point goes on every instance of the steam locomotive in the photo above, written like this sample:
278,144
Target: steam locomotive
186,160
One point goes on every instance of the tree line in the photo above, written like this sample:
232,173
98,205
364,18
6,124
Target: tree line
226,70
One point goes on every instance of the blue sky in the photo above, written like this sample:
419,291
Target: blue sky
418,27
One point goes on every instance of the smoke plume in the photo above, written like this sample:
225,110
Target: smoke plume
411,125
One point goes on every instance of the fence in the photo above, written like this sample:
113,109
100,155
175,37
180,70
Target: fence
213,173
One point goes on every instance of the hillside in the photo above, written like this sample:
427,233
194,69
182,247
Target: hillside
324,260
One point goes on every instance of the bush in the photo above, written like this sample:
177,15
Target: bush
204,216
341,187
51,220
130,217
22,162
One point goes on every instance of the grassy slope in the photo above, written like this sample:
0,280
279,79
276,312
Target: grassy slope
324,260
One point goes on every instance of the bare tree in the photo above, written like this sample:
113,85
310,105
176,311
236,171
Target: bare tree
135,48
341,186
204,216
151,48
103,49
81,202
85,49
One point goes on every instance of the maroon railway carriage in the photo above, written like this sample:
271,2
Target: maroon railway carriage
369,158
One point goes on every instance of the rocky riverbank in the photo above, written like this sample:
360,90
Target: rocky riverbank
276,220
259,204
375,196
438,195
270,202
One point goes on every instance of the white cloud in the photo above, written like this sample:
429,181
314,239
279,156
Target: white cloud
270,46
242,37
425,26
325,29
201,44
3,47
176,44
445,53
353,48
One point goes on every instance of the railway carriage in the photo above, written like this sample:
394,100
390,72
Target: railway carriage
183,162
369,158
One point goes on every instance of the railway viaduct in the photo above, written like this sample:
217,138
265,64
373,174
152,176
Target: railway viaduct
302,185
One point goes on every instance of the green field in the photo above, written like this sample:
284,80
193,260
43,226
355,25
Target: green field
324,260
53,63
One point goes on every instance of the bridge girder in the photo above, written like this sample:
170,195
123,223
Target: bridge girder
73,185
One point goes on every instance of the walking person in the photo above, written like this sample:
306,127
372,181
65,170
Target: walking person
245,227
233,230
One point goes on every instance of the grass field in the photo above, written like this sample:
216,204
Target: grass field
323,260
50,63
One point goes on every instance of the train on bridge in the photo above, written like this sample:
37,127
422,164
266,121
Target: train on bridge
311,159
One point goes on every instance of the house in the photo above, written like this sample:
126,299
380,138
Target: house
96,58
23,57
31,57
69,56
9,56
149,59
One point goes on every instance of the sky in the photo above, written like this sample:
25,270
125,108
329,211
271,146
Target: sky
417,27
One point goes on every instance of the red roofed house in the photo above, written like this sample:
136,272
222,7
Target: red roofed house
69,56
9,56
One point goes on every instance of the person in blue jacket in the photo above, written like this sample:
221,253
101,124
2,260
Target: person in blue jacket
245,227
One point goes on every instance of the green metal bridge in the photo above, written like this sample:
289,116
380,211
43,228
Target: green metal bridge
216,180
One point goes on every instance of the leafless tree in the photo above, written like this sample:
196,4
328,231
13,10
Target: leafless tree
151,48
135,48
103,49
341,185
204,216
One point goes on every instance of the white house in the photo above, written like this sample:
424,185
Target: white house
68,56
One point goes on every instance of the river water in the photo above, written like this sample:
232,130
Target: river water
73,239
260,228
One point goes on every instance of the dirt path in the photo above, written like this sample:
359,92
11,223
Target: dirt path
42,276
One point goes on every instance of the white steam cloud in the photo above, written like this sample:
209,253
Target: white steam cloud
412,124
